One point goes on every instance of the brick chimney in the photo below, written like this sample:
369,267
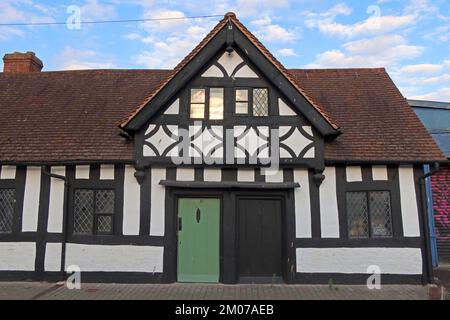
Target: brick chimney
18,62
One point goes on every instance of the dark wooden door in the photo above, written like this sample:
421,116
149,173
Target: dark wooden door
260,239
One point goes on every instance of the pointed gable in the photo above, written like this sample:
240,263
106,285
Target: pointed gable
227,33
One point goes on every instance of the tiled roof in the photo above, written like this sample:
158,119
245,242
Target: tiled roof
70,115
73,115
376,121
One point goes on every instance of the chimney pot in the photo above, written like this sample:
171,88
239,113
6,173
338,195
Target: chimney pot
19,62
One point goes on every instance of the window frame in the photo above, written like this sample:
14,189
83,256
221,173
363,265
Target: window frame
208,104
95,215
8,186
205,103
249,102
268,102
369,215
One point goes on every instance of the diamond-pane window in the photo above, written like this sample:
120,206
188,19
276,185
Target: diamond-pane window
369,214
357,215
93,211
380,214
83,211
260,102
7,201
104,201
104,224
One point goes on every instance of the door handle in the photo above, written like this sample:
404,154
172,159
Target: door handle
198,215
180,227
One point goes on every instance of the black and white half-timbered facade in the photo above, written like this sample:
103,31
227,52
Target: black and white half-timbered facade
229,168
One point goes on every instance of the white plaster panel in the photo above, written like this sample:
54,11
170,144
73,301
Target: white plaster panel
162,141
115,258
302,204
212,174
310,154
354,174
131,203
229,61
17,256
245,72
284,109
185,174
273,176
8,172
31,199
107,172
158,200
251,141
52,260
296,142
408,200
379,173
82,172
56,204
246,175
213,72
357,260
329,216
174,108
209,141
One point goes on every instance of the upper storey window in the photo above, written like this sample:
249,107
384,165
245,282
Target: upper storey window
258,98
216,103
260,102
207,103
198,103
242,101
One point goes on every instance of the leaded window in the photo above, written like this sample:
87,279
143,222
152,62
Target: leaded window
93,211
369,214
260,102
7,202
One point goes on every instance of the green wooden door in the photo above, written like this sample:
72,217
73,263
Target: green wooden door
198,240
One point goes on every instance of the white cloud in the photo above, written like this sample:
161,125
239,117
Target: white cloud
18,11
422,68
440,34
75,59
376,24
94,10
287,52
168,41
177,21
269,32
442,94
251,8
382,51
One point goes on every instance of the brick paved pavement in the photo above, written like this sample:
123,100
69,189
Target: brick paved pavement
36,291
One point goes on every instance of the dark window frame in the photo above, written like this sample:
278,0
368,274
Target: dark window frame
249,101
205,103
369,215
95,215
253,102
14,208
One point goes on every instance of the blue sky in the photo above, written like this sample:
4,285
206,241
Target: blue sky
410,38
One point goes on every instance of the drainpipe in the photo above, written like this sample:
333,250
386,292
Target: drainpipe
46,171
429,192
428,227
